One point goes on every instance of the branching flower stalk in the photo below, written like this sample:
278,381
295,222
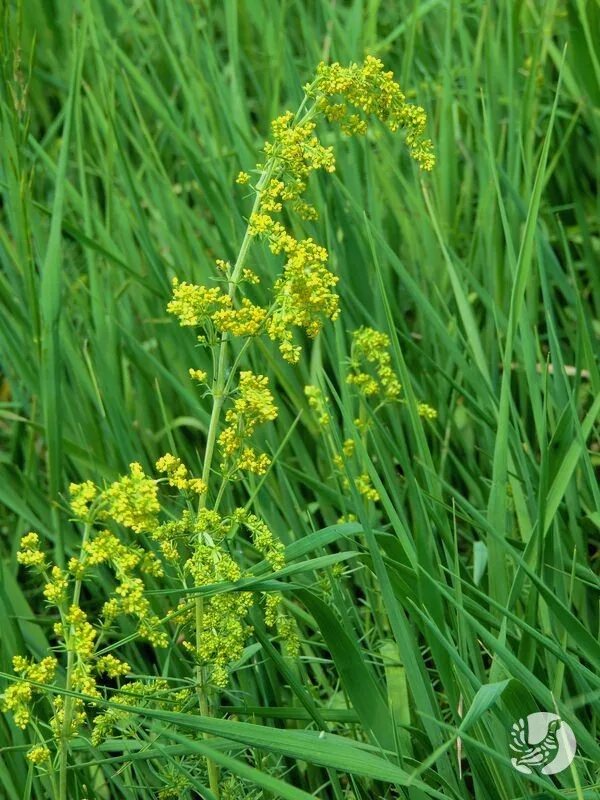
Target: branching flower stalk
69,701
187,524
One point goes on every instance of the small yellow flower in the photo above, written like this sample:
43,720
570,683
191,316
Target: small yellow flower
198,375
242,177
249,276
426,411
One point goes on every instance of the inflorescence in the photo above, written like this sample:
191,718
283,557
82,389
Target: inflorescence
142,526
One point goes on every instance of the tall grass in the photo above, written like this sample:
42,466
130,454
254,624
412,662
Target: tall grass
471,598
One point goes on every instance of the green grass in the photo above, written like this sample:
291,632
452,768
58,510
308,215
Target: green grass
470,596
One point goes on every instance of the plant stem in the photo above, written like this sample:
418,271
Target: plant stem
218,393
68,707
220,389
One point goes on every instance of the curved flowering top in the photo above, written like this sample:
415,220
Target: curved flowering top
368,88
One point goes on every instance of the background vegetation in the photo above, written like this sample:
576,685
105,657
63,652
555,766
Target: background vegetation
471,597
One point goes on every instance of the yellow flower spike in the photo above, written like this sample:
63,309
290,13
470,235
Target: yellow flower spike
372,373
265,541
19,695
288,632
82,634
242,177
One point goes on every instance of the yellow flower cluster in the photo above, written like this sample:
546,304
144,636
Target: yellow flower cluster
253,406
297,149
198,375
19,695
29,553
112,666
38,755
129,598
195,305
200,305
55,590
80,637
372,373
178,475
426,411
223,631
370,349
81,496
75,632
248,320
132,500
369,89
365,487
318,402
174,533
304,294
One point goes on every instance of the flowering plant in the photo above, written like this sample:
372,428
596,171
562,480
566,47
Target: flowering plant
176,523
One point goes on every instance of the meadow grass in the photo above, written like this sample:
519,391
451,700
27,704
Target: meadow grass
468,596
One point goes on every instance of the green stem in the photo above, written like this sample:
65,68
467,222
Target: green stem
68,707
220,389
